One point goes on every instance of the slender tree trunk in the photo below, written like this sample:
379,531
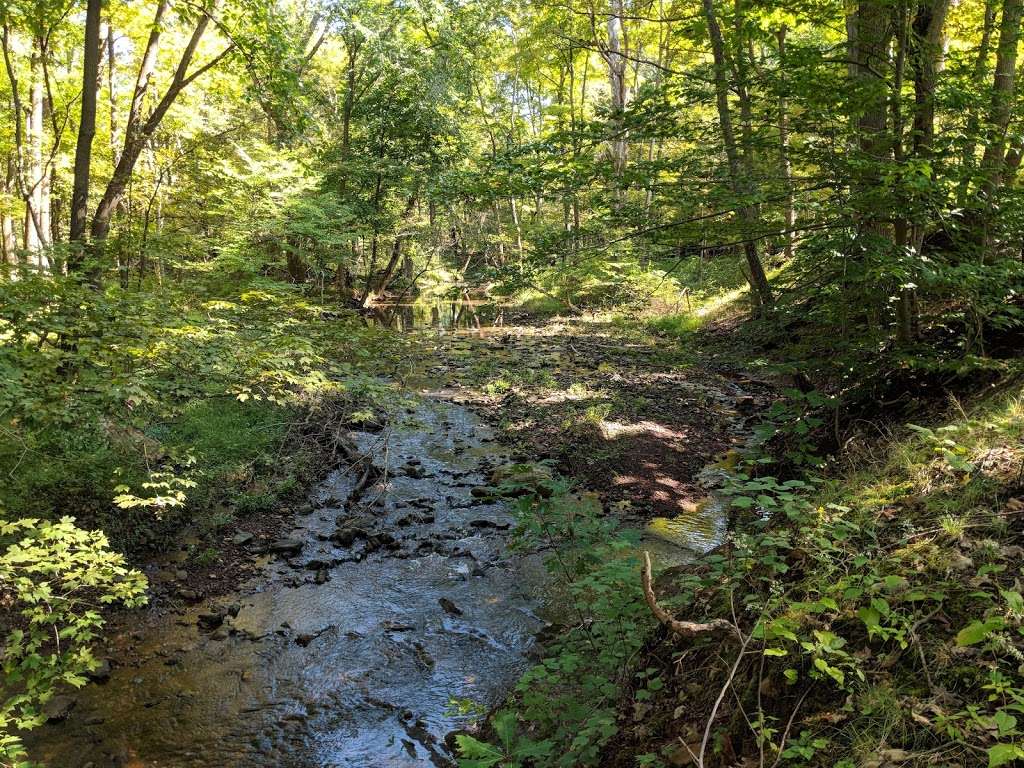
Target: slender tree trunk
138,132
36,235
396,251
1001,109
617,58
969,161
517,224
86,133
871,62
785,162
759,287
347,107
111,93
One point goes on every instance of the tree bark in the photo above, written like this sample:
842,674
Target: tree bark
759,287
1001,108
870,58
617,57
37,213
138,132
972,126
785,162
86,133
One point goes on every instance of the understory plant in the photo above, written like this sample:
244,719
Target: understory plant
56,580
870,618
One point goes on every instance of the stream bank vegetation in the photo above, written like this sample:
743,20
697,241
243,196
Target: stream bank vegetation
200,202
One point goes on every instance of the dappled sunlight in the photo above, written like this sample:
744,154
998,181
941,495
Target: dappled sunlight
612,430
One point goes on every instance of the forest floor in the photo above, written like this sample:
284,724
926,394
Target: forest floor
606,405
616,409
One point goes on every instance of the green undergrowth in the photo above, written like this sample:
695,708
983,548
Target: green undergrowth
130,418
871,615
564,708
139,412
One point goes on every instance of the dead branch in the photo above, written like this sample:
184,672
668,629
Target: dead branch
681,628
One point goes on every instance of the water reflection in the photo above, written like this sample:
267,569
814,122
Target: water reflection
463,314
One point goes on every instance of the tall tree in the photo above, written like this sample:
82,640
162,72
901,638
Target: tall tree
86,130
740,181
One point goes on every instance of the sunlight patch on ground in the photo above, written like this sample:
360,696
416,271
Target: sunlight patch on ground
612,430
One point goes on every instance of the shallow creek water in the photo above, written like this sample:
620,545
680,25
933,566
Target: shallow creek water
356,671
347,653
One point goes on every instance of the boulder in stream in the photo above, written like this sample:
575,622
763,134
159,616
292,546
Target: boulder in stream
286,546
58,708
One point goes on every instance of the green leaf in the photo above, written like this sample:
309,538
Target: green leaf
977,631
1002,754
1004,722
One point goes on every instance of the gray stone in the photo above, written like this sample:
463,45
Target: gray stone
102,672
58,708
286,546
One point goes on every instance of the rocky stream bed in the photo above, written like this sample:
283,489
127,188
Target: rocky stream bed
395,596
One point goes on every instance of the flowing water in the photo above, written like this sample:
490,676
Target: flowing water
426,606
391,602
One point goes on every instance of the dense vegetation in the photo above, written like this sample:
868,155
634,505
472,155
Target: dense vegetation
200,200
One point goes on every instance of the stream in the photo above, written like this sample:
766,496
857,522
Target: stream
343,655
393,600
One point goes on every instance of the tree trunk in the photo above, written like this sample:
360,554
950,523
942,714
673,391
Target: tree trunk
137,132
36,234
617,58
760,290
111,93
972,127
86,133
1001,109
870,50
785,163
396,254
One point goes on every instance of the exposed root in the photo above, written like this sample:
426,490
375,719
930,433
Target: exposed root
681,628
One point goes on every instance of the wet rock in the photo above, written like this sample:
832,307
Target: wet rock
483,522
449,607
181,574
212,619
286,546
234,609
480,492
102,672
322,577
242,538
347,536
307,508
58,708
